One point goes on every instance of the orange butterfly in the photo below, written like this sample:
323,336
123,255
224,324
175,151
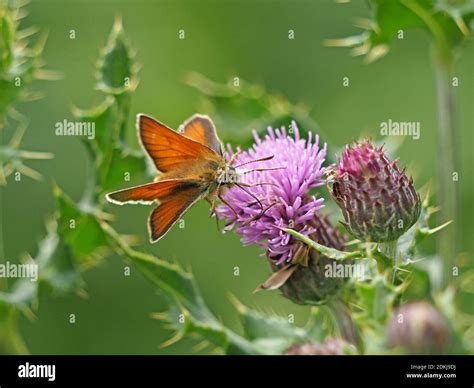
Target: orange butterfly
191,167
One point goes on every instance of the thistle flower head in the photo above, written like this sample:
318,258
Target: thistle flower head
378,201
276,197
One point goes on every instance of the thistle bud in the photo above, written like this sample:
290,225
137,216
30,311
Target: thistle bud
378,201
418,328
308,284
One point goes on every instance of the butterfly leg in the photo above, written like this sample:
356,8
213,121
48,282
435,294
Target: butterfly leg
259,215
219,195
242,187
212,202
212,211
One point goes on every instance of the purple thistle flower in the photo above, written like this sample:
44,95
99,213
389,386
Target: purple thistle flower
286,200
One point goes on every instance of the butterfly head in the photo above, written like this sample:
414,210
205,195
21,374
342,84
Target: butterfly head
227,175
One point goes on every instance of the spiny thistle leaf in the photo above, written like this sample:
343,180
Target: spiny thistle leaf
102,148
462,324
117,70
21,295
179,286
189,315
12,158
75,240
257,326
103,118
80,230
466,281
319,325
57,271
322,323
7,37
117,77
114,160
20,64
383,261
407,243
57,268
20,61
460,10
127,164
446,21
417,280
375,298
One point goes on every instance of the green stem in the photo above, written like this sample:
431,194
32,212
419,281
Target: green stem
90,193
447,190
389,249
3,283
123,103
11,342
343,321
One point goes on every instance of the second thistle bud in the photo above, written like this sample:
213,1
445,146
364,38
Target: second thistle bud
377,199
418,328
330,347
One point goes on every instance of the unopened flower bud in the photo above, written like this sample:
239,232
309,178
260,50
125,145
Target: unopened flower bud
418,328
329,347
377,199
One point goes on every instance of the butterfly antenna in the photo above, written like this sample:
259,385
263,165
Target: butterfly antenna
263,169
258,184
256,160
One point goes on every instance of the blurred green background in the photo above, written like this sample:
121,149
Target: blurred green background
224,39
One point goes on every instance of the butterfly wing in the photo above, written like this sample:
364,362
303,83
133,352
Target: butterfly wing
175,196
148,193
167,213
188,164
201,129
169,150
